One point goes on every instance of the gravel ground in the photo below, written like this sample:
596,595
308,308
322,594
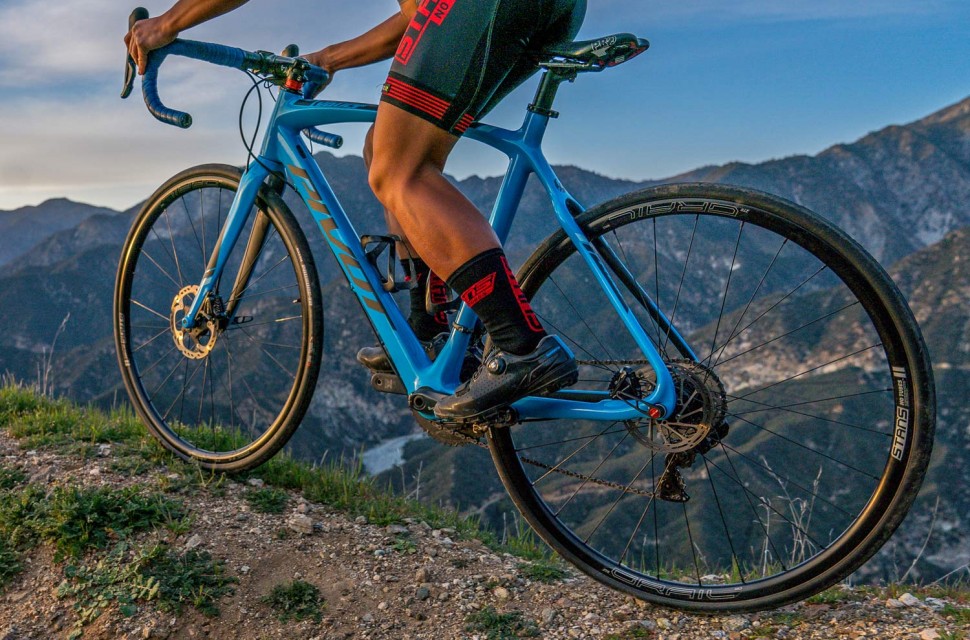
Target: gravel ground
399,581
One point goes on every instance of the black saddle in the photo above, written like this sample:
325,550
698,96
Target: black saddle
595,54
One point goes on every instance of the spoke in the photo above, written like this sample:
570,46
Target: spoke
767,504
807,371
185,371
623,494
550,444
582,317
591,474
277,344
633,271
807,448
151,340
720,511
195,233
727,287
185,386
656,278
145,253
798,486
171,239
232,403
656,522
250,325
567,458
205,375
754,295
773,306
754,510
150,310
690,540
269,291
268,354
643,515
784,335
562,334
245,382
787,408
683,275
252,283
142,374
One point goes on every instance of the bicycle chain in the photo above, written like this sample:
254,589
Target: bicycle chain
566,472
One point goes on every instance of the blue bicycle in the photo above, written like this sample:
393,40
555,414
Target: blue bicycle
755,409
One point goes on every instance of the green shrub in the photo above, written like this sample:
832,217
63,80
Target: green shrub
297,600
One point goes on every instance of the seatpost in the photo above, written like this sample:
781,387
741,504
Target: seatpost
546,93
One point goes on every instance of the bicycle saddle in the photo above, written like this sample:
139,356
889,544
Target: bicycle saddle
601,52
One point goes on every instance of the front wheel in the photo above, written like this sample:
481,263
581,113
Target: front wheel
805,410
230,392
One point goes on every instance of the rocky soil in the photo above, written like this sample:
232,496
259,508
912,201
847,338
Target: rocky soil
401,581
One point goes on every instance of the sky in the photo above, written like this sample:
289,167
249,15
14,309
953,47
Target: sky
724,80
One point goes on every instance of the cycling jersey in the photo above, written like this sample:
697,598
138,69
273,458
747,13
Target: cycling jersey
459,58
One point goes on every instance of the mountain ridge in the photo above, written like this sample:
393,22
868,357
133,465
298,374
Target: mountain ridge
900,191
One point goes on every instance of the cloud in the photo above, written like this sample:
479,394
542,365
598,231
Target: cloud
630,14
82,39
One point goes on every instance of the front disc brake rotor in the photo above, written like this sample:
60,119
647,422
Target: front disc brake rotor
197,342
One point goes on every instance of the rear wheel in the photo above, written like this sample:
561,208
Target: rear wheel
232,391
805,409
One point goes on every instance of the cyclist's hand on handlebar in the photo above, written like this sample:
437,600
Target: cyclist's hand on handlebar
320,59
144,36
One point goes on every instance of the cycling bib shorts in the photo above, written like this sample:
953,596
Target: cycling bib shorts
459,58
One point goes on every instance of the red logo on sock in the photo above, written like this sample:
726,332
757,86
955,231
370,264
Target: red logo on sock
530,316
479,291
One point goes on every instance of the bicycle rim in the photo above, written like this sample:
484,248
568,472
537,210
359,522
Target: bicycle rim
805,413
230,394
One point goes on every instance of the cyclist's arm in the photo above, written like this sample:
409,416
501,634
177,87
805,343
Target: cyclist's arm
154,33
377,44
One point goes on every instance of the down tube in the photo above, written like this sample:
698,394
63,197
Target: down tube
378,305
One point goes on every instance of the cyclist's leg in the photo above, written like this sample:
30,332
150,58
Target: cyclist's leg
426,325
449,65
440,224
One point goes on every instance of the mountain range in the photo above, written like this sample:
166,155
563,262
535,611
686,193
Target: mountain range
900,191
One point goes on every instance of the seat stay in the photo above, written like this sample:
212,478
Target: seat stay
524,150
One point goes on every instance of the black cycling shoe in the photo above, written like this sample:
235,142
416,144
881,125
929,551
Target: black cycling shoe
504,378
375,358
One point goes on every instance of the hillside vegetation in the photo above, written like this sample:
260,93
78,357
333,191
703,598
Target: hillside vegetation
105,535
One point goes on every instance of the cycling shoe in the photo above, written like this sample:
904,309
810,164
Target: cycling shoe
504,378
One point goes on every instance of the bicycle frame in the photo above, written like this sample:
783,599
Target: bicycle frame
284,150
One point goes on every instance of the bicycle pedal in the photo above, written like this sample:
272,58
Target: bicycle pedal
374,247
504,416
388,383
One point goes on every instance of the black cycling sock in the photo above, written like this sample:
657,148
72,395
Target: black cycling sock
488,286
426,325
